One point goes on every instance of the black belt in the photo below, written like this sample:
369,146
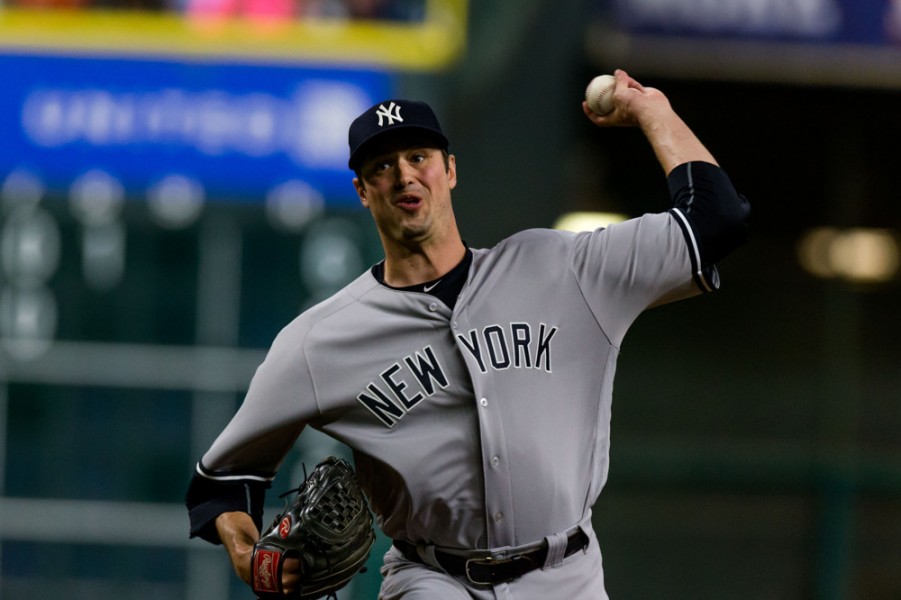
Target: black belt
485,570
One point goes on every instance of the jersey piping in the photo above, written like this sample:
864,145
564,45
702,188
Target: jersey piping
207,474
698,273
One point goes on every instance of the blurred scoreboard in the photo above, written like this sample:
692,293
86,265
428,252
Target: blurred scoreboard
112,171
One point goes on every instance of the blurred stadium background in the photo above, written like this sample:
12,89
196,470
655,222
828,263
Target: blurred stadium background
173,190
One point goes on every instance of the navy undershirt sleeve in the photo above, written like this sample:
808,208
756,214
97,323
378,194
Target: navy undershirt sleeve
716,213
208,498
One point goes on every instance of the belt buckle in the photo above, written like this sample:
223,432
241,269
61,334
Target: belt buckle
487,561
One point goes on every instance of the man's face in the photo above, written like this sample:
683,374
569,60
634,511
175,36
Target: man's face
406,184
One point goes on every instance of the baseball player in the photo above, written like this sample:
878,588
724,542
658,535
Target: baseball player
473,385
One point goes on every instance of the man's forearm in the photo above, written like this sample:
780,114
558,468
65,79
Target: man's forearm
673,141
238,534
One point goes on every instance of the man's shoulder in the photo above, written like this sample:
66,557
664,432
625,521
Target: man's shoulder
527,240
330,308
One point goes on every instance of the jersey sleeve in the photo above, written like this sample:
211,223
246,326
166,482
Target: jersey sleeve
658,258
242,462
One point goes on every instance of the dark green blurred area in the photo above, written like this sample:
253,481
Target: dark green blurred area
755,443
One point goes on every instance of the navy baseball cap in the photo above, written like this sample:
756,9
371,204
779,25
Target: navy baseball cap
390,116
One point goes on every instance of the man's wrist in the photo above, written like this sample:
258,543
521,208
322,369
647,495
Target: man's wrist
238,534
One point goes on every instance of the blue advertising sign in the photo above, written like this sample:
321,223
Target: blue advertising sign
237,130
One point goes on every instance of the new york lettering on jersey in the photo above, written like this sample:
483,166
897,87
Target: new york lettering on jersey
405,383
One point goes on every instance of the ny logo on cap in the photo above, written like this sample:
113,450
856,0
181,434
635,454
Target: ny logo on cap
392,113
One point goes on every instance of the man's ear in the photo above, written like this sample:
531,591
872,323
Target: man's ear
361,191
452,171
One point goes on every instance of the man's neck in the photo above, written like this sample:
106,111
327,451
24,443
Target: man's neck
410,266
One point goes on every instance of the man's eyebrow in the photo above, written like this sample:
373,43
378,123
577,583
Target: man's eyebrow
385,154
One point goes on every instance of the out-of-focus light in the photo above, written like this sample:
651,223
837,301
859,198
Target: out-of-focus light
813,252
587,221
20,188
858,255
96,198
30,246
175,201
330,255
103,255
293,204
28,317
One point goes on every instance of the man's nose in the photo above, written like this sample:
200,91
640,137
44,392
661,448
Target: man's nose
403,173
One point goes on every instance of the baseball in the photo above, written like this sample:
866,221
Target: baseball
599,94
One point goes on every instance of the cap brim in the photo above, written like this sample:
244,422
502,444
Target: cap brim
363,148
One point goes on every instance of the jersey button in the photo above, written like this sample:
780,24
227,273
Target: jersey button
495,461
498,517
484,401
433,306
